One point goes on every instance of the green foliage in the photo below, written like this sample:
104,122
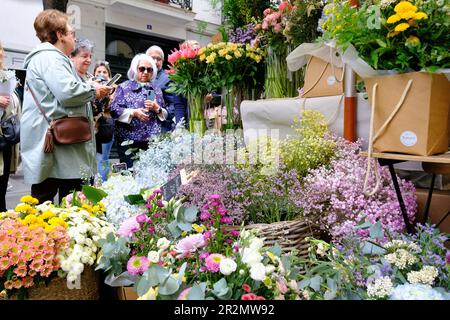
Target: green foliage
184,217
302,24
114,254
238,13
94,195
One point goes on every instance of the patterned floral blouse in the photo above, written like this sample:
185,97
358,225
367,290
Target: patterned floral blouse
131,94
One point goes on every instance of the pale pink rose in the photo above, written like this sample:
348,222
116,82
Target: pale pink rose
190,244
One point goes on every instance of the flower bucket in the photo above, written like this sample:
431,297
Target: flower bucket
410,113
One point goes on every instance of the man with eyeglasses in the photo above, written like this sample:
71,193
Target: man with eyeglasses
173,102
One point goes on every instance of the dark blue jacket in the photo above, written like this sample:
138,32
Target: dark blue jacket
175,105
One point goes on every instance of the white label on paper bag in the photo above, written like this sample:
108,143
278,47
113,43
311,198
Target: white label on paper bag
331,80
408,138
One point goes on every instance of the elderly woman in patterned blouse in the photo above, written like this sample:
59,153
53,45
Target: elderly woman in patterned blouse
138,107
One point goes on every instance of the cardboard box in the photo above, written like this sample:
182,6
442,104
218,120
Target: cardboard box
439,207
126,293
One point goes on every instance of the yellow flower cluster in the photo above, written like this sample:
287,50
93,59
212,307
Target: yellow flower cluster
47,220
405,11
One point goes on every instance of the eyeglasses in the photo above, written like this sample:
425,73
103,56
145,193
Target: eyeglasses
157,58
71,32
142,69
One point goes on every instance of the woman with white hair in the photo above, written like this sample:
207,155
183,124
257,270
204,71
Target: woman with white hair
138,106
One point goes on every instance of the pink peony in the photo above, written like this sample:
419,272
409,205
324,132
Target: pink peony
137,265
212,262
128,227
190,244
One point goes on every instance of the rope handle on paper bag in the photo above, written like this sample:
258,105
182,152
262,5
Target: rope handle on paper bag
333,116
373,138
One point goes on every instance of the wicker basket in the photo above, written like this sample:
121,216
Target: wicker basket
289,235
57,288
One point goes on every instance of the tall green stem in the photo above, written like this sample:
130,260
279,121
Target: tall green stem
196,115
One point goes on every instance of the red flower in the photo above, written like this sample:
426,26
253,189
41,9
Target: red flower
249,296
246,288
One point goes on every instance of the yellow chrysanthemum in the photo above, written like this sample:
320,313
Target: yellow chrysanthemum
202,57
29,199
210,59
228,57
401,27
257,58
29,219
405,6
47,214
407,15
23,207
237,54
393,19
420,16
56,221
413,41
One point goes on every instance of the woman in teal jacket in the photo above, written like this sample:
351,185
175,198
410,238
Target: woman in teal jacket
51,77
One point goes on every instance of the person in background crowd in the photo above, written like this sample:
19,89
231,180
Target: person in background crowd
101,69
138,107
61,93
82,60
9,157
173,102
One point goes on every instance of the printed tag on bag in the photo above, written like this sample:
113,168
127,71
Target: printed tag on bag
331,80
408,138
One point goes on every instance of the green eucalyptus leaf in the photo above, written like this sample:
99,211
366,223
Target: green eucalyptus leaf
220,288
303,284
197,292
376,231
315,283
169,286
190,214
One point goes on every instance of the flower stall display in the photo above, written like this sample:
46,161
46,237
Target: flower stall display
51,241
401,50
384,266
206,260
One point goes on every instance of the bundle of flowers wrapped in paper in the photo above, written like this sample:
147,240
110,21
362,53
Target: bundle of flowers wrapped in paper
42,241
395,267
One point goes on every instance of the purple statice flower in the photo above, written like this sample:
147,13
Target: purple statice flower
447,257
245,34
386,270
335,194
226,220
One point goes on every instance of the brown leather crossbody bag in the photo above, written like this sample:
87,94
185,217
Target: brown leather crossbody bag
67,130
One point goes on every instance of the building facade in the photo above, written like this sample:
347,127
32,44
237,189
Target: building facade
119,28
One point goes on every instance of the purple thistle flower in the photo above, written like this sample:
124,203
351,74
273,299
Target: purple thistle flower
142,218
151,230
160,204
149,199
157,191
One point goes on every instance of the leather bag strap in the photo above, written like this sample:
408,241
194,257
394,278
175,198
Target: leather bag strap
38,104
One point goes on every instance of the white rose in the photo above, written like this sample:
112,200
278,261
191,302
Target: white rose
90,261
84,259
256,244
163,243
95,238
258,272
227,266
250,257
153,256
